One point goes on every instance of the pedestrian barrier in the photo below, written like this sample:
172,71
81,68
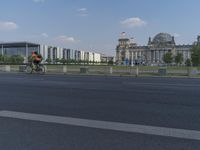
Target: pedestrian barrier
108,70
192,72
162,72
84,70
5,68
22,68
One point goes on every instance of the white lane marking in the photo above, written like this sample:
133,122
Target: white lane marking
116,126
162,84
21,78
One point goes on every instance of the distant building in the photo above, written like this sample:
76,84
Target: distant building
19,48
129,53
97,57
24,49
107,59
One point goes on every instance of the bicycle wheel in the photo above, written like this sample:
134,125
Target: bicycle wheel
41,69
29,69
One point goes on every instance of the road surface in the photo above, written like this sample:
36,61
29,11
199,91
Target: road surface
98,113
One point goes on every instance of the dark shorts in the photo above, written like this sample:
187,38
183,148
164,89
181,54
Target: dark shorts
36,62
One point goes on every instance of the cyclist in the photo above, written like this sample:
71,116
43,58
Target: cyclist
37,58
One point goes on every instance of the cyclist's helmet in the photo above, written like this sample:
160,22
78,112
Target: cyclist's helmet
34,52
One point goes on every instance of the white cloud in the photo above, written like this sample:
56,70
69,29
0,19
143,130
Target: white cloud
45,35
65,39
38,1
133,22
7,25
176,35
82,12
82,9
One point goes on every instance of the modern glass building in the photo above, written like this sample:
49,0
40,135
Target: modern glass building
24,49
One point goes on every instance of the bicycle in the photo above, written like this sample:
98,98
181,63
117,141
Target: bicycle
31,68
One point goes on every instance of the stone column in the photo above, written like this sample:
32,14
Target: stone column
159,55
154,56
162,53
151,56
136,54
132,59
184,56
140,54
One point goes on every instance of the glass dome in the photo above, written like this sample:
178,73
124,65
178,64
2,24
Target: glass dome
162,38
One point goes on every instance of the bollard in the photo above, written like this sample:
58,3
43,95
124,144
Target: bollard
192,72
162,71
45,68
64,69
84,70
22,68
6,68
111,70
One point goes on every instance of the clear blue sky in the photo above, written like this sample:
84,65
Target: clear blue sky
96,24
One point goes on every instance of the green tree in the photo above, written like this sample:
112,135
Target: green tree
1,59
16,59
168,58
79,62
30,58
20,59
179,58
68,61
83,61
195,55
6,59
63,61
48,60
188,62
57,60
110,62
72,61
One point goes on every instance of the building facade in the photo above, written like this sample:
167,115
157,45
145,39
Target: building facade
106,59
129,53
24,49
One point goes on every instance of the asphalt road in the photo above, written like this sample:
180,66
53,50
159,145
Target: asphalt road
159,102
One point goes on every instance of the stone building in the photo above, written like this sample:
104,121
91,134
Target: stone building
129,53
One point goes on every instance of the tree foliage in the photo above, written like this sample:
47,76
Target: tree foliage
63,61
57,60
110,62
188,62
168,58
15,59
179,58
195,55
48,60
